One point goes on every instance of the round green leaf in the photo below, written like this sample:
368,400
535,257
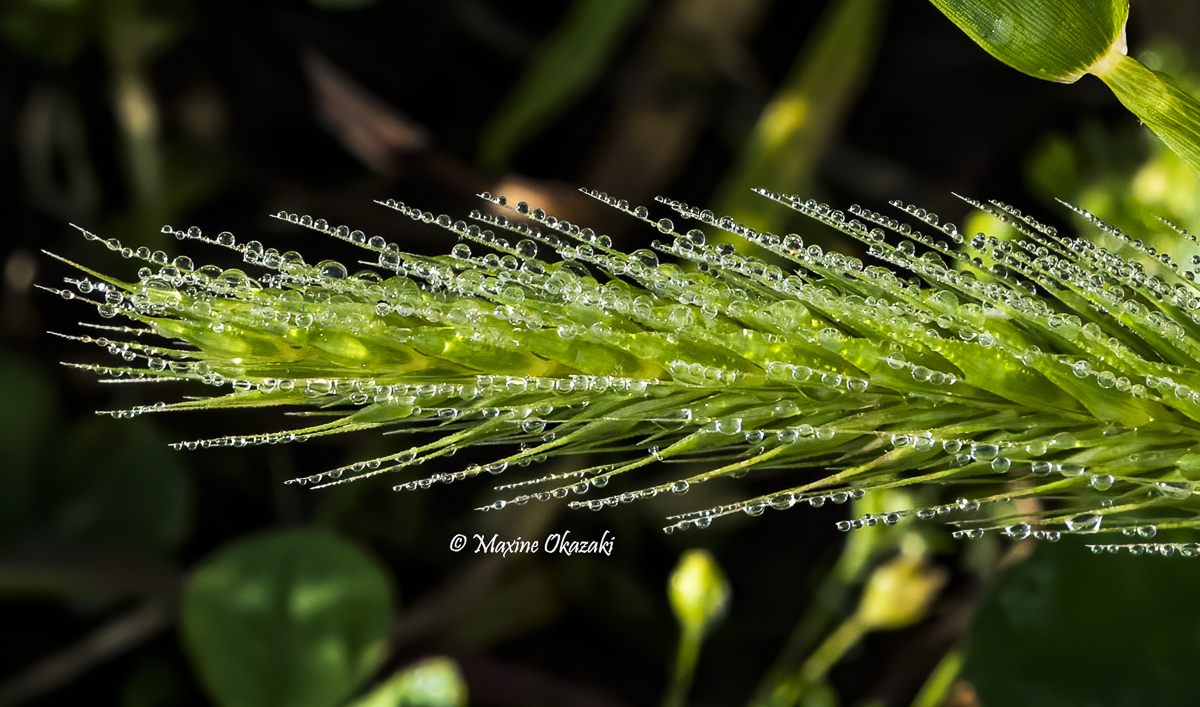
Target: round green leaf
1069,628
297,618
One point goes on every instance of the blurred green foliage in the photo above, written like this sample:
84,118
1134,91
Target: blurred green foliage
566,64
1069,629
52,32
296,617
801,120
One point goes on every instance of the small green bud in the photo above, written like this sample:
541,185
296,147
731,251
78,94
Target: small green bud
898,594
433,682
698,591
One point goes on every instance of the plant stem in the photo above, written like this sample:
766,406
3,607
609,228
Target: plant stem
685,668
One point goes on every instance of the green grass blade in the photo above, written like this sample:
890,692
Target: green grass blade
1157,101
1061,40
562,68
1056,40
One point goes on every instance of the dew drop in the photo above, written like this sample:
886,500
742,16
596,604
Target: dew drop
1086,522
527,248
1019,531
1069,469
332,269
1178,490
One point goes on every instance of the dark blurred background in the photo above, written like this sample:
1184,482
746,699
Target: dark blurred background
125,115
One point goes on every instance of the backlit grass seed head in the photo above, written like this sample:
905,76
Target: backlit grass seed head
1050,382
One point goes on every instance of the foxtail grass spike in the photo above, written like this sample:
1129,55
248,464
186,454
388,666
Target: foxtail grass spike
1049,384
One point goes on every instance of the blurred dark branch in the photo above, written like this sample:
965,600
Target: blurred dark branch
155,583
378,135
93,573
693,47
114,638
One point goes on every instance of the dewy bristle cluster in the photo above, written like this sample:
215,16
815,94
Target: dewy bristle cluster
1043,367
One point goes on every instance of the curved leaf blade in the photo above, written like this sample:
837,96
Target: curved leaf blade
1055,40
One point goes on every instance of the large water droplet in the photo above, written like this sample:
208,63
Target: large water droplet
1085,522
1178,490
332,269
1019,531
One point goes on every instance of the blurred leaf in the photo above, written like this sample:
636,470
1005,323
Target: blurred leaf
52,32
796,127
565,65
118,484
1055,40
899,593
820,695
1069,628
297,618
433,682
25,422
1055,169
